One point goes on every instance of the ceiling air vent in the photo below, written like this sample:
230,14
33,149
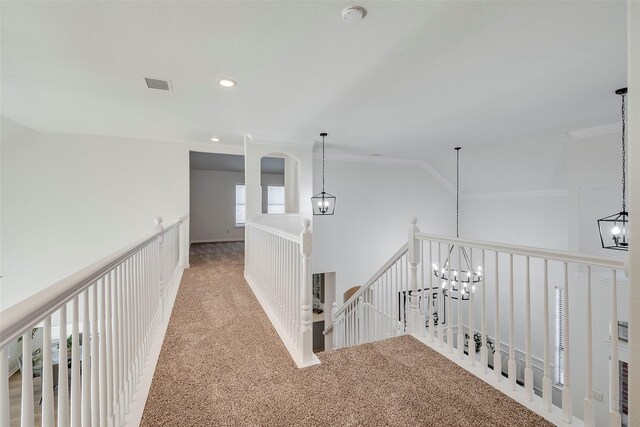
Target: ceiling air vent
158,84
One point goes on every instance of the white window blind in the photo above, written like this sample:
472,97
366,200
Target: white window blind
275,199
559,347
240,205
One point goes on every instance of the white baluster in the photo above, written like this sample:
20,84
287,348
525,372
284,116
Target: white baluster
48,419
63,373
588,367
76,396
95,357
109,281
121,344
413,256
449,294
497,356
4,388
360,324
423,309
429,301
567,413
471,290
102,348
116,374
614,406
460,330
440,299
528,370
26,416
511,367
484,356
334,322
305,282
546,378
86,360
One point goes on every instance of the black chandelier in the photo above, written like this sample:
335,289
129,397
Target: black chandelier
614,228
323,203
461,281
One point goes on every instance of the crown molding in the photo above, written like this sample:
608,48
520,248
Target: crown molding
438,177
279,140
367,159
608,129
516,194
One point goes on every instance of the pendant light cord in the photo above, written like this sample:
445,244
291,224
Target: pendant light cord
457,192
322,164
624,155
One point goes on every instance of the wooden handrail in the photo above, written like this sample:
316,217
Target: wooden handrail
21,316
533,252
395,257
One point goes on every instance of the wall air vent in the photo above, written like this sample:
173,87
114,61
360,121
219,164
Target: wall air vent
158,84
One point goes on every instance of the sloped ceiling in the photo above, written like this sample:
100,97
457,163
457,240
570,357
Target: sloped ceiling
412,80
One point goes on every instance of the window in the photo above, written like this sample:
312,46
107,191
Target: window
240,205
275,199
559,347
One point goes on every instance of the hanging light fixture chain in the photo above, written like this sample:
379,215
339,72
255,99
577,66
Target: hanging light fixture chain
322,163
624,159
457,192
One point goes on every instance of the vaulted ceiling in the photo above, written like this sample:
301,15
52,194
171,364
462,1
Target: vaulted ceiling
410,80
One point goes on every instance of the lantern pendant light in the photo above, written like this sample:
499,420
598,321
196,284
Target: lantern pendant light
458,282
323,203
614,229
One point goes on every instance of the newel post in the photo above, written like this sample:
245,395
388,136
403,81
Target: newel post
306,329
413,254
158,228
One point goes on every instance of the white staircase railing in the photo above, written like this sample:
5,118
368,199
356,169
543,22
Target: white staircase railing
378,309
278,270
413,300
104,317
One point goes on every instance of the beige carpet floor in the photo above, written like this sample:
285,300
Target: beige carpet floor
222,364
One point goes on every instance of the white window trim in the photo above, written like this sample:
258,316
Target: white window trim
236,204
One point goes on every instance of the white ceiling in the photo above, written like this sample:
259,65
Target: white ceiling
410,81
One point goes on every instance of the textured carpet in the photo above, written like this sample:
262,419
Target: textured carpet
222,364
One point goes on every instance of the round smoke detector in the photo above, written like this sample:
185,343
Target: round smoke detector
353,14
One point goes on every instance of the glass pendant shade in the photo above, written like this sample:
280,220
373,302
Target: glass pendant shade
323,204
614,229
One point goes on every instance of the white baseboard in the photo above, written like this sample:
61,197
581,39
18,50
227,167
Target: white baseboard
290,345
136,408
237,239
536,405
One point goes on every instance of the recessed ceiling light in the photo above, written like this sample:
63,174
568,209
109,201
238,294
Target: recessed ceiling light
215,139
227,82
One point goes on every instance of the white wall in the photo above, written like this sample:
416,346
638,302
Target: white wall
213,201
68,200
374,204
213,198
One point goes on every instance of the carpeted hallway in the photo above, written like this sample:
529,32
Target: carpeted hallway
222,364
